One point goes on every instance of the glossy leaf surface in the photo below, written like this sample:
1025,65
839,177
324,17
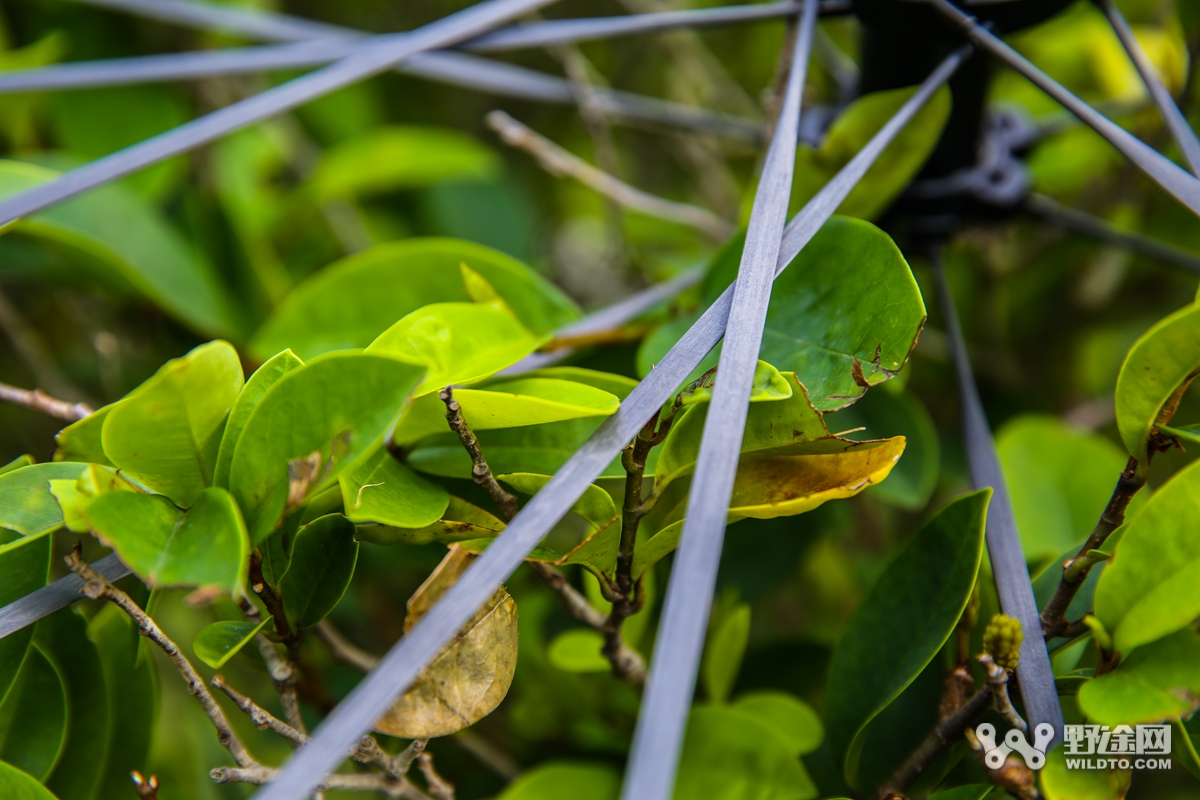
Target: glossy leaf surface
384,491
166,547
1158,364
339,405
220,641
507,403
26,504
25,569
1151,587
33,718
19,785
63,639
838,336
458,343
1154,683
351,302
167,431
323,562
248,399
901,625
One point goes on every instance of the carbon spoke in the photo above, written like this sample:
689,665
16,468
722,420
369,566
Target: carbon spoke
672,679
396,672
1164,172
454,68
1038,692
314,52
1073,219
1185,137
371,61
60,594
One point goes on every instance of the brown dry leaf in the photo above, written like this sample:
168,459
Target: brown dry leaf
472,674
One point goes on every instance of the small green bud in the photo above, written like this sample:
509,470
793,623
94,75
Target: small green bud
1002,641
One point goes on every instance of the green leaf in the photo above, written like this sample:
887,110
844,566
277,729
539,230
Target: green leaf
458,343
277,549
554,780
839,337
1151,587
460,522
892,171
793,720
1060,783
92,231
1164,359
251,395
352,301
1152,684
1188,433
1060,479
322,566
391,157
977,792
33,719
81,441
769,385
617,385
729,755
22,570
132,694
908,615
338,404
885,413
26,505
595,505
540,449
578,650
166,547
17,463
215,644
382,490
62,638
18,785
723,652
507,403
166,433
769,427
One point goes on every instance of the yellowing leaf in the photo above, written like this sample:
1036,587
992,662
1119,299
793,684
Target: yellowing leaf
469,678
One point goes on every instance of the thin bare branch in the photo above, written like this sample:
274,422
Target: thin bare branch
997,678
342,649
480,471
439,787
40,401
97,587
558,161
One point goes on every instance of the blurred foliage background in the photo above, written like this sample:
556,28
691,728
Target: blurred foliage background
97,293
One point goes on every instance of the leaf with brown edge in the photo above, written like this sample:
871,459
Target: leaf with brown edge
470,677
788,481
